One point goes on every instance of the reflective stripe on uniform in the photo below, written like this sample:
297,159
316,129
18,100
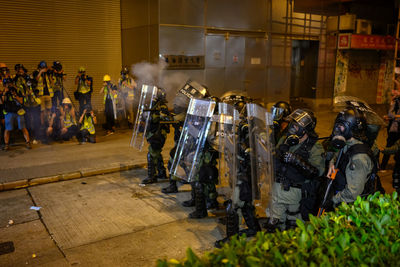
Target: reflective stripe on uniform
40,86
88,124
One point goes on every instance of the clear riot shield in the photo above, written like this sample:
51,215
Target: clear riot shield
341,102
261,153
146,101
227,125
186,162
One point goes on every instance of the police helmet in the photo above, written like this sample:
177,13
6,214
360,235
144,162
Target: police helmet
161,94
350,122
305,121
280,110
57,65
42,64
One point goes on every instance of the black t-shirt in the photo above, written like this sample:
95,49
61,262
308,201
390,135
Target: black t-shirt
10,102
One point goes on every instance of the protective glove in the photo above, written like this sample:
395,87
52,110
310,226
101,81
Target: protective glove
302,165
288,157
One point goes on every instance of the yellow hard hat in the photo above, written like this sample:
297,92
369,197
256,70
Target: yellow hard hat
106,78
82,69
66,101
3,65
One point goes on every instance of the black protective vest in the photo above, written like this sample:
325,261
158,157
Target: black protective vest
340,181
288,172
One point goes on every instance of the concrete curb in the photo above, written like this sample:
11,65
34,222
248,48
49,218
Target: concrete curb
67,176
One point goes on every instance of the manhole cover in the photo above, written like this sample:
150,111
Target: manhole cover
6,247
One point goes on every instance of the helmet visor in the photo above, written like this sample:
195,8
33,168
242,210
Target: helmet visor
277,113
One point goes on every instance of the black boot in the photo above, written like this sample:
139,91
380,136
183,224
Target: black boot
172,188
151,169
162,173
291,224
190,202
200,203
212,204
251,221
272,225
232,225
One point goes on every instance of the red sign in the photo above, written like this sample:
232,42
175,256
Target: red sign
344,41
360,41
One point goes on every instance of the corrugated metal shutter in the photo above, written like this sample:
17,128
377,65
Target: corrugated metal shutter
77,33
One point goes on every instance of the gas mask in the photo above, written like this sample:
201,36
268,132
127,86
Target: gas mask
340,134
294,134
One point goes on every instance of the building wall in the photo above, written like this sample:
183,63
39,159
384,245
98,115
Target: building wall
362,77
139,31
76,33
246,44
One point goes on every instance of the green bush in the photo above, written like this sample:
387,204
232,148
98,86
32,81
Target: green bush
364,233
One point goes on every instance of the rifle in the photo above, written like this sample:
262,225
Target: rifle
328,187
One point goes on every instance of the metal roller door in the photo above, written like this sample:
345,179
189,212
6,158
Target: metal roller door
77,33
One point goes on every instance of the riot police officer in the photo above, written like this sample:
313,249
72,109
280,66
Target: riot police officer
156,136
280,111
242,198
298,160
356,164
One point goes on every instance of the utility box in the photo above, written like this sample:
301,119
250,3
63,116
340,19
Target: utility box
347,23
363,26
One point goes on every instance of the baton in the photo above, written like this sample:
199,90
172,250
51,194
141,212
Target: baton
328,188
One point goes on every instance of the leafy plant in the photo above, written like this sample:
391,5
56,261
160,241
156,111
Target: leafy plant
364,233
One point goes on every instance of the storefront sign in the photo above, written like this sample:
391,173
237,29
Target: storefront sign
344,41
361,41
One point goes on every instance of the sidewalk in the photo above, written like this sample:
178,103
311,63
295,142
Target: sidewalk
63,161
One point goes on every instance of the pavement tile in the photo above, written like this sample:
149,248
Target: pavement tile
33,246
15,205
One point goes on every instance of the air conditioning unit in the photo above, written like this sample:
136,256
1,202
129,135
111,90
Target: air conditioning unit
363,26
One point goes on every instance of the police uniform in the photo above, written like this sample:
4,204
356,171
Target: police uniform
172,188
204,183
295,165
242,198
352,177
356,162
286,191
156,136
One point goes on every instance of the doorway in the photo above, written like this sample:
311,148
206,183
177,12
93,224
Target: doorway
304,69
